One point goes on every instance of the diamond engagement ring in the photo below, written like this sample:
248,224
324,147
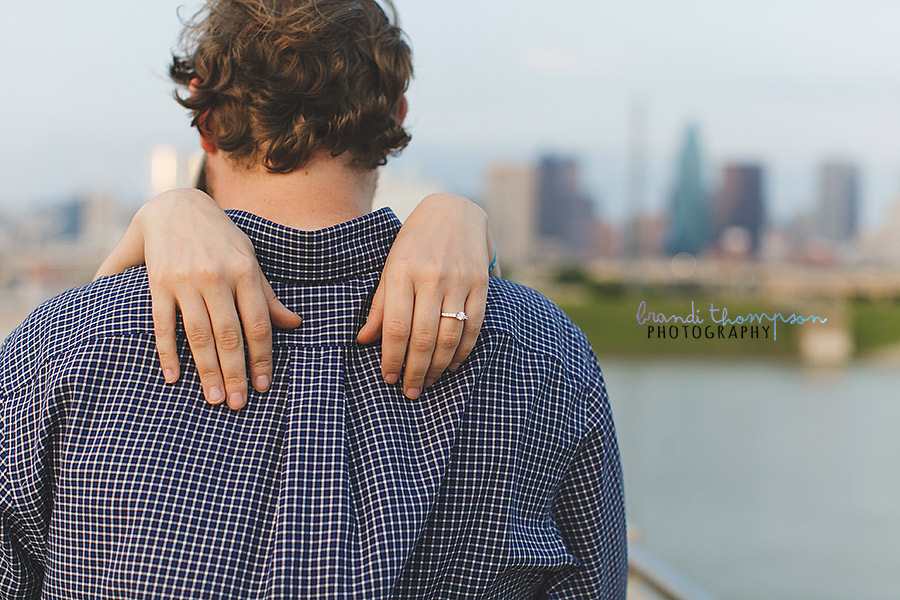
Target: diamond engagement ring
459,316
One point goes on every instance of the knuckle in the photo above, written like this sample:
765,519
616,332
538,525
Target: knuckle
235,380
163,329
427,275
261,362
414,374
259,331
245,262
229,340
184,275
168,276
199,337
396,330
448,340
422,343
460,272
209,373
166,356
208,274
435,275
245,270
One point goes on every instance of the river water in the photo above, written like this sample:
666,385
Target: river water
760,480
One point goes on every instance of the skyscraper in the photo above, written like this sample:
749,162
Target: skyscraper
540,212
566,215
511,204
739,202
839,201
689,229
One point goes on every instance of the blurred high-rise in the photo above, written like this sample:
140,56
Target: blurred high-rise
839,201
739,208
511,203
565,214
540,212
689,225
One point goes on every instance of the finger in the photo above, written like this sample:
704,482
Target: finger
281,316
200,337
448,337
422,338
163,310
229,339
253,307
371,331
398,313
475,306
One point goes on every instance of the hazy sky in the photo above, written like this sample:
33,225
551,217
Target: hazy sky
787,83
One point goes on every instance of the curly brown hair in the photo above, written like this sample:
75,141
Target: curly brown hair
281,80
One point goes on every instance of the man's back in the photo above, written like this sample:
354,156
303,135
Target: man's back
501,481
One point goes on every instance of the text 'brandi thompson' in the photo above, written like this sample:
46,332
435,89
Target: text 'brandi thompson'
720,325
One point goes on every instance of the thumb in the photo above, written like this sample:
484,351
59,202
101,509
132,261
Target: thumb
281,316
371,331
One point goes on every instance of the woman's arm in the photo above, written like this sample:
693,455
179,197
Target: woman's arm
200,262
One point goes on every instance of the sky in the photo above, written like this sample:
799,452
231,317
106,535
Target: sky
786,83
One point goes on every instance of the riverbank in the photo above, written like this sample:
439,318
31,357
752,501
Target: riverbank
638,324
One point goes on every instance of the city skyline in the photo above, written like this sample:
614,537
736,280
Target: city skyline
785,86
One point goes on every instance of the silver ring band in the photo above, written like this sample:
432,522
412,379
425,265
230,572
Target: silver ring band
459,316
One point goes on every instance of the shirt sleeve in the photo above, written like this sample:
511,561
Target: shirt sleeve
589,510
24,509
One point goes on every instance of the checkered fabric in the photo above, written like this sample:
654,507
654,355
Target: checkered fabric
501,481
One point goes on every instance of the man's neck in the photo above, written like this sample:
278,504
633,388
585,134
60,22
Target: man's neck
325,192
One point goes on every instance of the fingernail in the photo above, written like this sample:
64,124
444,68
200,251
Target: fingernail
169,375
429,381
236,401
216,395
455,366
262,383
412,393
392,378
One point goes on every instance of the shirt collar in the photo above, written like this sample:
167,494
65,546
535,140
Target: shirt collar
332,254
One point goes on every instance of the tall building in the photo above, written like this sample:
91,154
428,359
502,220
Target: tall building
839,201
565,214
739,206
511,205
540,212
690,227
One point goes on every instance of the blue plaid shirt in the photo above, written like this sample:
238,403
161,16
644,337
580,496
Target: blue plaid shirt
501,481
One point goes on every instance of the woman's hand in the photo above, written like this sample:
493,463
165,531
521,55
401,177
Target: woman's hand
199,261
438,264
